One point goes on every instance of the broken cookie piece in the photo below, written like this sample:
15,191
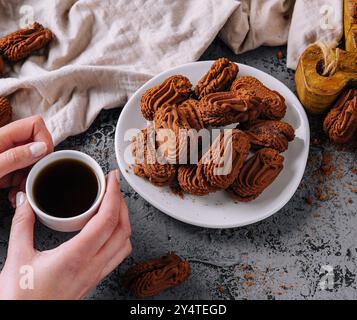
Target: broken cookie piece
274,106
341,122
20,44
173,90
218,78
257,174
149,278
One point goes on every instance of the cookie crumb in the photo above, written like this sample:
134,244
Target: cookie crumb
310,200
221,289
248,283
248,276
280,55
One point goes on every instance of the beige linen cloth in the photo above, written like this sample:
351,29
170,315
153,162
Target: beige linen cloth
104,50
298,23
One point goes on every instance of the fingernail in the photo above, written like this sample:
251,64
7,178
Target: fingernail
38,149
117,175
20,199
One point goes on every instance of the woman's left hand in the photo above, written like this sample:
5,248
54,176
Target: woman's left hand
22,143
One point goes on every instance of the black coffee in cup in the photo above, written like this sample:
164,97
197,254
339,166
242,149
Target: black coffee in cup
66,188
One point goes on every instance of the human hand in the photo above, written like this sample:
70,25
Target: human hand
71,270
22,143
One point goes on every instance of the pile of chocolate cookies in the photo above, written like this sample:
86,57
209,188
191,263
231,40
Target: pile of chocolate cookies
219,99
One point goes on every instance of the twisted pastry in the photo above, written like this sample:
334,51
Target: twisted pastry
257,174
177,141
150,278
274,103
20,44
147,165
270,134
218,167
341,122
218,78
5,112
173,90
224,108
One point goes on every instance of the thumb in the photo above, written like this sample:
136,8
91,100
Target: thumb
21,235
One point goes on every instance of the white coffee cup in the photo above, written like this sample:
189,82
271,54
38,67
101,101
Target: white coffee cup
65,224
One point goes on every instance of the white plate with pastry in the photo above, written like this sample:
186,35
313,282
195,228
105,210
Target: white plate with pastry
220,209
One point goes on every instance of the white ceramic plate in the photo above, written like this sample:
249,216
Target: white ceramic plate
218,210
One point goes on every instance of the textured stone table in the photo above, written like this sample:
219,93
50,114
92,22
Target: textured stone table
279,258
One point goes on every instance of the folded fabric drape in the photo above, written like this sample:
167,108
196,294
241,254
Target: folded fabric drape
298,23
104,51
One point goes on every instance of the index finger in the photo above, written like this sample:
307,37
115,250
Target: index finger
23,131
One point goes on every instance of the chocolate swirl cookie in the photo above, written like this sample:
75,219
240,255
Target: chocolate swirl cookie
224,108
273,134
147,164
218,78
341,122
218,167
5,112
257,174
150,278
193,181
178,141
173,90
274,106
222,162
20,44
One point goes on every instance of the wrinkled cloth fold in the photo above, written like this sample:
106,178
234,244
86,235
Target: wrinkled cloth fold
297,23
102,53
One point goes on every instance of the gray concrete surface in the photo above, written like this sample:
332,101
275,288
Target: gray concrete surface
279,258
